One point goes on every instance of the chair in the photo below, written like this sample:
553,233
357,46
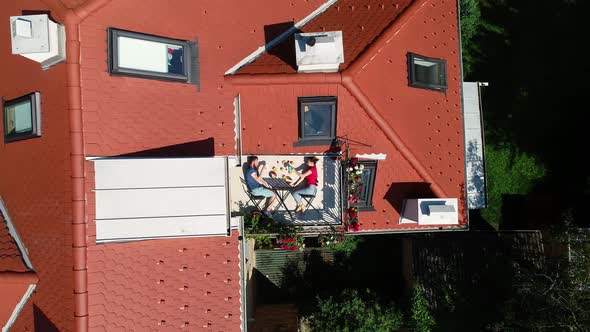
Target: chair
256,200
309,200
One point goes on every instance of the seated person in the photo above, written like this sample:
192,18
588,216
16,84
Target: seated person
311,182
257,185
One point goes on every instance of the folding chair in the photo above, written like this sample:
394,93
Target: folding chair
256,200
309,200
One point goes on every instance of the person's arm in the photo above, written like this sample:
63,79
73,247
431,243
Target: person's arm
301,177
259,179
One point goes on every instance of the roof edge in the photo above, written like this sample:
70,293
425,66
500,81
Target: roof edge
259,51
12,231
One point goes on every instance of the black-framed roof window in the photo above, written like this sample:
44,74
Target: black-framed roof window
427,73
22,117
148,56
317,120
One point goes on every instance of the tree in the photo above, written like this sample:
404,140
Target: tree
555,295
355,311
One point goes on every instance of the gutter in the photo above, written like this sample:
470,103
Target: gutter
72,19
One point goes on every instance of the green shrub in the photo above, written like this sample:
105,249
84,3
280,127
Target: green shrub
354,311
340,244
508,172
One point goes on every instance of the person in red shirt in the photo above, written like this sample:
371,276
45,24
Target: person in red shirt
311,181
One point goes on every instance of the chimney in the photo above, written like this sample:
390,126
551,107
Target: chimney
38,38
319,52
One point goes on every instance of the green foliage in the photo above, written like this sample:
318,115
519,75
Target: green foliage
354,311
470,19
262,241
347,246
508,172
340,243
470,23
259,227
422,319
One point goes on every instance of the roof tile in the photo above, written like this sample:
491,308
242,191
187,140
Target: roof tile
162,284
361,22
10,256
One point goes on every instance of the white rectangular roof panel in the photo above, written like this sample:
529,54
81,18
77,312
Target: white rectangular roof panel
161,202
114,230
125,173
147,198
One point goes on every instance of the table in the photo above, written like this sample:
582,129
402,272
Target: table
282,189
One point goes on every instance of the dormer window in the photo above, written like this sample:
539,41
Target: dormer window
427,73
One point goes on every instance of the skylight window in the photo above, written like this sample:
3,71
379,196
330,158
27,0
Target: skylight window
427,73
22,117
141,55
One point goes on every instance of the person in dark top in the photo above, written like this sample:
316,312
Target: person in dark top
257,185
311,181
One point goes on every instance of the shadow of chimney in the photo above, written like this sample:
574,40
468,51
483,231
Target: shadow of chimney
285,50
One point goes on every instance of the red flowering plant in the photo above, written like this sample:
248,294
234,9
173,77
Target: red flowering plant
354,172
290,239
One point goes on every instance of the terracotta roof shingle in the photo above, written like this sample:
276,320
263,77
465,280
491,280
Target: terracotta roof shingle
361,22
10,256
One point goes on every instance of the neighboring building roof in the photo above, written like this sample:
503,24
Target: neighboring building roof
361,22
11,258
189,283
468,259
17,280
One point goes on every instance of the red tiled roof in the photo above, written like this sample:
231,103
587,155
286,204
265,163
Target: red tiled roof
72,3
15,276
13,286
361,22
10,256
165,284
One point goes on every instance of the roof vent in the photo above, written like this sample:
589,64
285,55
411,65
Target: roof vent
38,38
430,211
319,52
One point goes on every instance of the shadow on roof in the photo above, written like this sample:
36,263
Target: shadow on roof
202,148
285,50
399,191
42,322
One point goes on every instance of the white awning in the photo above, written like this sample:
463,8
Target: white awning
147,198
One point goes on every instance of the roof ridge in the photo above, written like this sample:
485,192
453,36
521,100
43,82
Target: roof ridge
277,40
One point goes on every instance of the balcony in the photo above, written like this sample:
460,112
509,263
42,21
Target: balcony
327,204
